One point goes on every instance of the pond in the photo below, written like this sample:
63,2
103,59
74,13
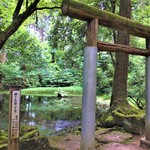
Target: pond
51,115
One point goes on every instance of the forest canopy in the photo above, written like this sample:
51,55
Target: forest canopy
46,49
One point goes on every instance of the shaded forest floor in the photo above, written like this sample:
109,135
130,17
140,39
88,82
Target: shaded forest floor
106,139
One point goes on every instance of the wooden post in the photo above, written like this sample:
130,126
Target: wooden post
14,118
89,88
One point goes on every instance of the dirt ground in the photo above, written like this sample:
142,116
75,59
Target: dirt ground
106,139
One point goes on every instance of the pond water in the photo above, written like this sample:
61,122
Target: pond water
51,115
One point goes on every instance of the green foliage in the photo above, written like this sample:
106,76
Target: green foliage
34,59
67,39
23,60
141,10
104,74
12,74
48,49
136,88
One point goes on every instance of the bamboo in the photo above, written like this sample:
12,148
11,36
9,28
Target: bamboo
80,10
104,46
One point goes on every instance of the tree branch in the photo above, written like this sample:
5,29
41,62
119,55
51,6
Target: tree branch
26,4
18,19
48,8
17,9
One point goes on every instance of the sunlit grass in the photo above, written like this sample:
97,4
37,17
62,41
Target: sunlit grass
53,91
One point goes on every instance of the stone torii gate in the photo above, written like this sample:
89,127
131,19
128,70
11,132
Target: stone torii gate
95,17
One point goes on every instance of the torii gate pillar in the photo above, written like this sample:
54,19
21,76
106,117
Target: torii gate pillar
89,88
147,127
145,142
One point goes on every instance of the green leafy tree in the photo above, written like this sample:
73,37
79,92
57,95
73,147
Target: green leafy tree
26,54
136,82
13,14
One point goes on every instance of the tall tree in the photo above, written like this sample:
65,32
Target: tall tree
21,11
119,92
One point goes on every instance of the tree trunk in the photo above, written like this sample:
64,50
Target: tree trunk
2,58
119,92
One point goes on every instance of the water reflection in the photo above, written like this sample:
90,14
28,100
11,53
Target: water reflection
61,124
49,114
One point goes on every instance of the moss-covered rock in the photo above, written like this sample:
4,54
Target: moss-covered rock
26,132
107,120
25,129
29,140
130,118
40,143
29,135
3,146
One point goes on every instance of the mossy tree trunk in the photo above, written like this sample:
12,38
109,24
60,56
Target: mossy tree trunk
119,92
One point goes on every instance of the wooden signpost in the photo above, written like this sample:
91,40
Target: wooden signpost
14,118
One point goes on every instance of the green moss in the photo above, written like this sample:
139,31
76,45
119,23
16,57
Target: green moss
3,146
128,112
3,139
29,135
130,118
109,119
25,129
118,113
3,132
86,12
